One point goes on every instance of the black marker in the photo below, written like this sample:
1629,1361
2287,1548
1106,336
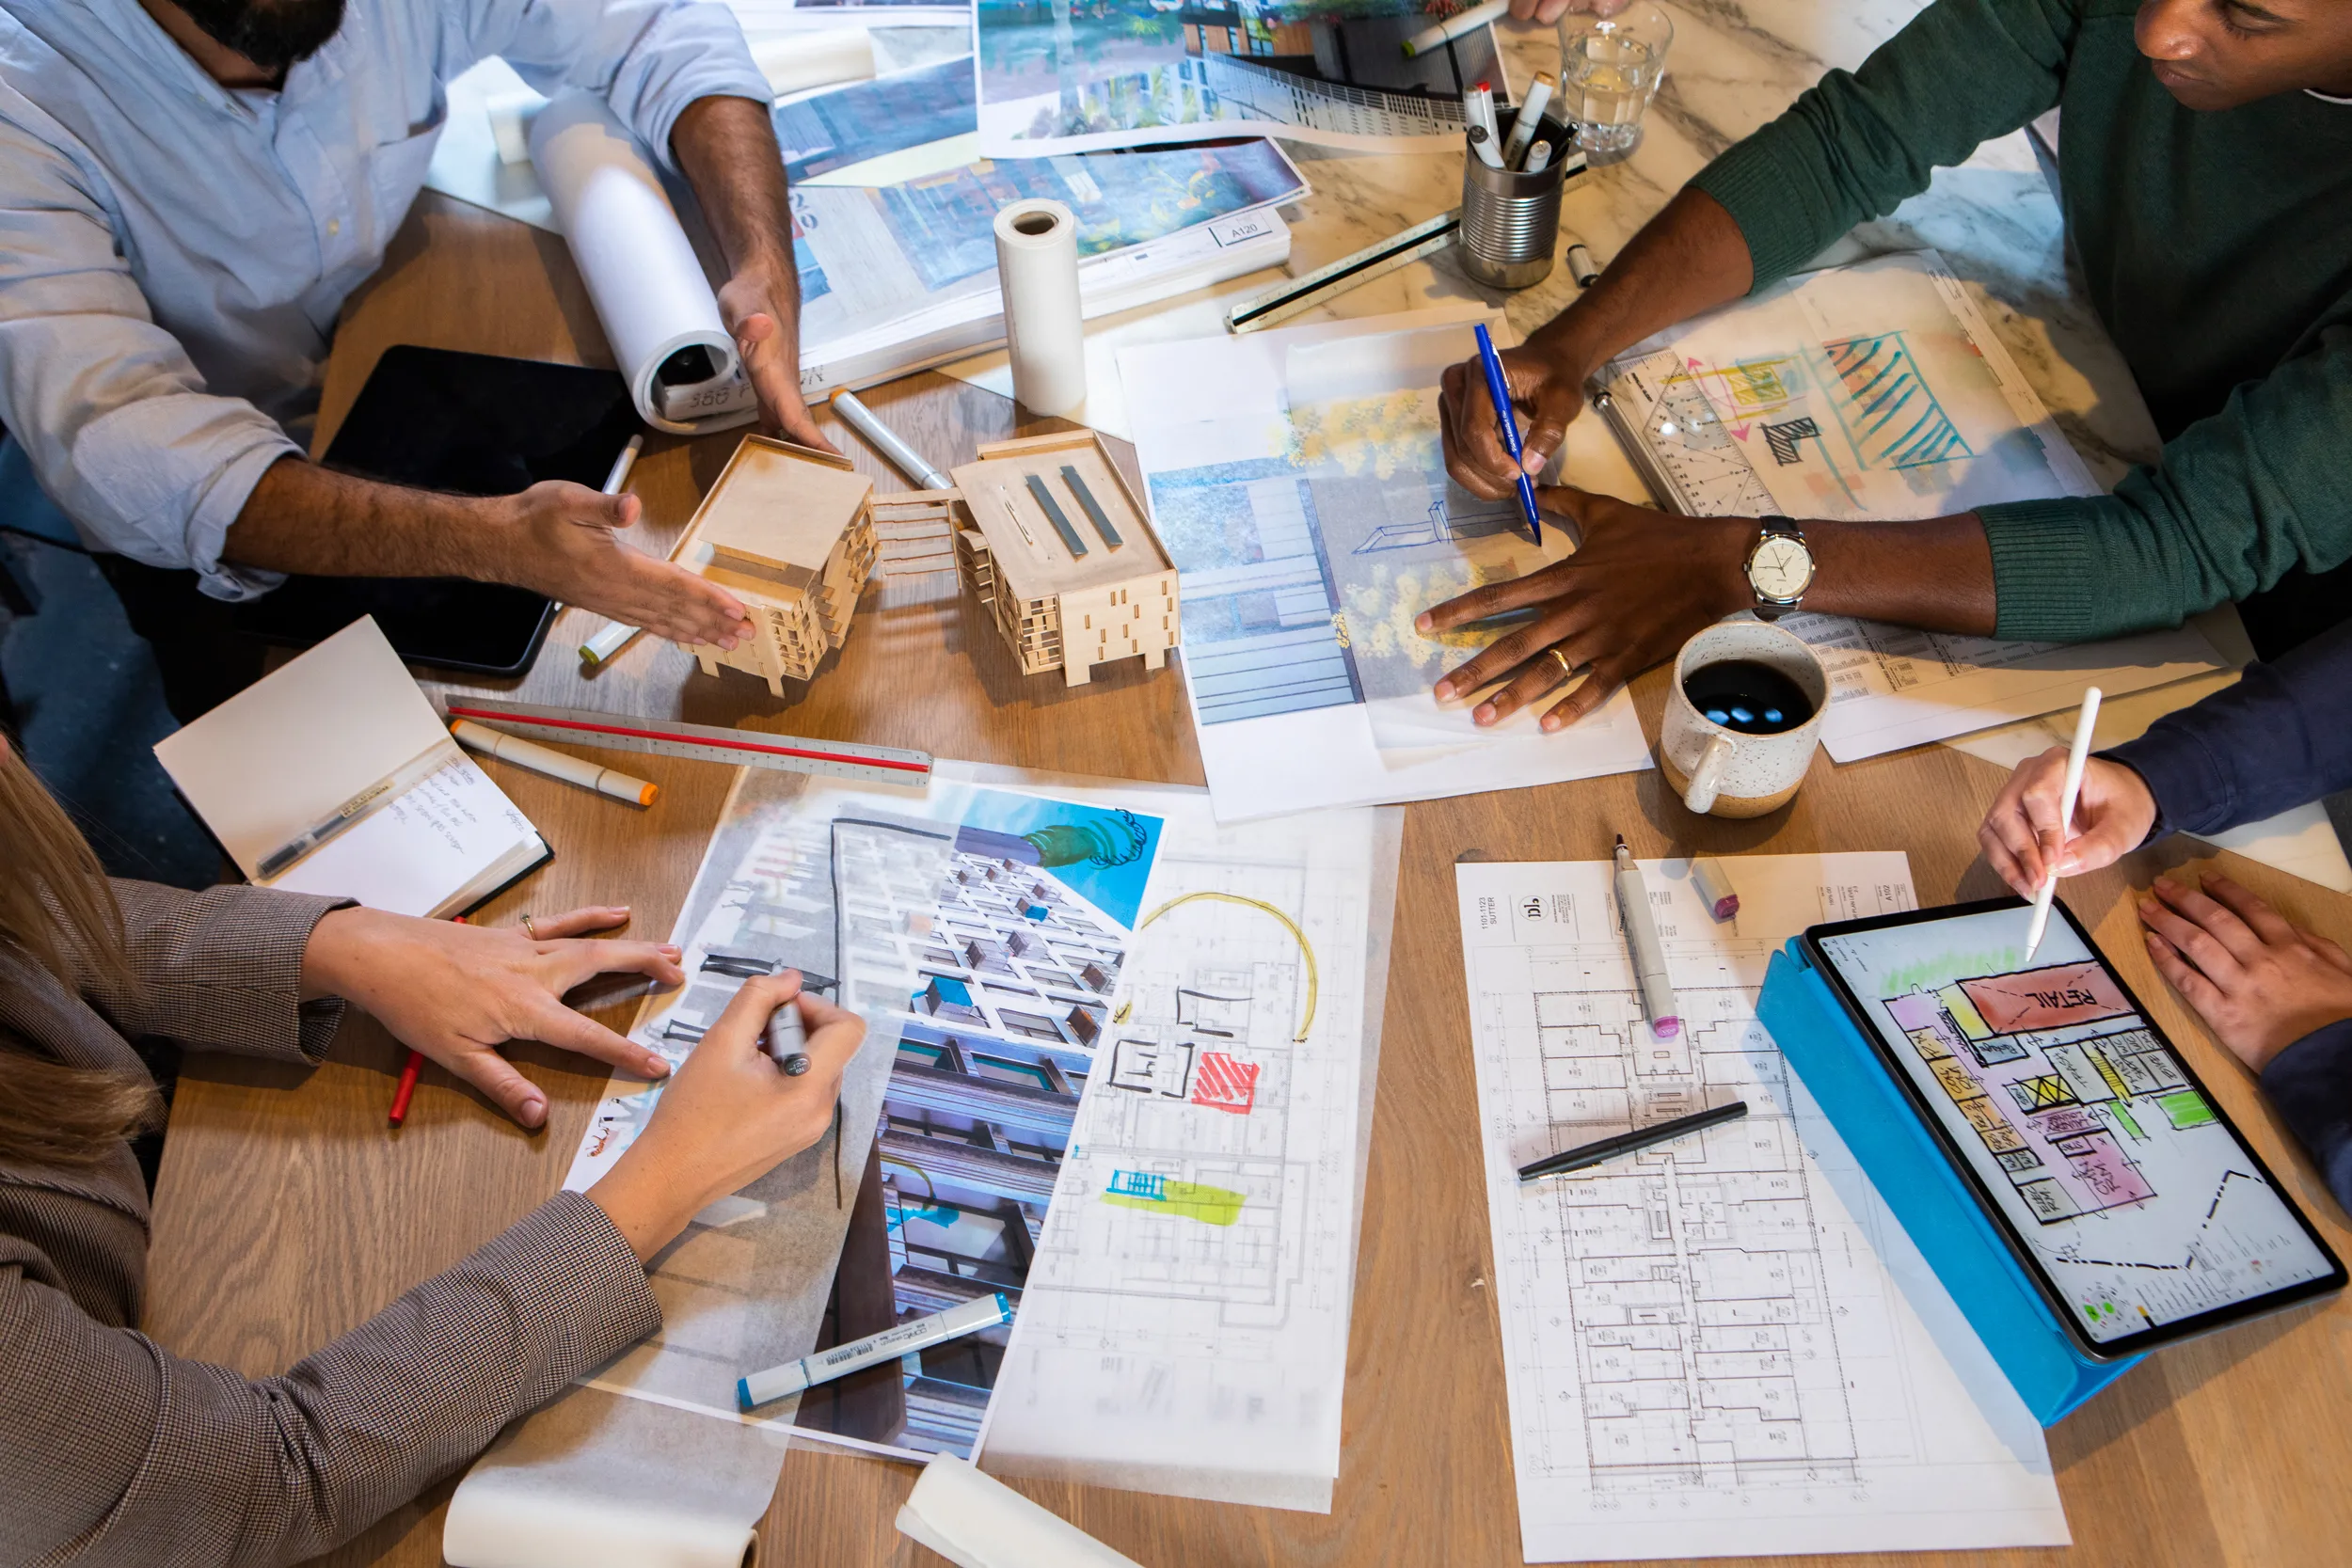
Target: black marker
1627,1143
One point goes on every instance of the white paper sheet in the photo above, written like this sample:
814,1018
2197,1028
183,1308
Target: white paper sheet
1723,1345
1876,391
1301,669
1167,1343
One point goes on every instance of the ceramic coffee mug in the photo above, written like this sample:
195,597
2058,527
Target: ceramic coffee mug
1726,772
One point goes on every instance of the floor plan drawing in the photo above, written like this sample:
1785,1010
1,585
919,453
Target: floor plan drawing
1185,1319
1704,1351
2079,1123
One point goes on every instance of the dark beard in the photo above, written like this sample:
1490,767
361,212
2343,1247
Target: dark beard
273,34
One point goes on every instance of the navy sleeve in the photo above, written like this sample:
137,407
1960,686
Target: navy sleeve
2311,1083
2279,737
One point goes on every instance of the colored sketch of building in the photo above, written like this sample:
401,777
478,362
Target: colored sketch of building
1014,975
2059,1079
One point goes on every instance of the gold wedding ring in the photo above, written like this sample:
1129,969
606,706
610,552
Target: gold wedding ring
1567,671
532,932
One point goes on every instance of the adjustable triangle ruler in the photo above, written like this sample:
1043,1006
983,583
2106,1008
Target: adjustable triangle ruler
622,732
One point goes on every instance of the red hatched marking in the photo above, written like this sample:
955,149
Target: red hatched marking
494,717
1225,1083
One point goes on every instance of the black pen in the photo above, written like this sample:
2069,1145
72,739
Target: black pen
1626,1143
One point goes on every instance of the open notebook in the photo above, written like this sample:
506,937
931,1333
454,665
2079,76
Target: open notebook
334,775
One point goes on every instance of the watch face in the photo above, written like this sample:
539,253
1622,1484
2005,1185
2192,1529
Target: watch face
1780,569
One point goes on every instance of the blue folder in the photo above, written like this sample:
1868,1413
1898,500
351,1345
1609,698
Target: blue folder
1933,1201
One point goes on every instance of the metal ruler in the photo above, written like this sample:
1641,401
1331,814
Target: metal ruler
1669,427
840,759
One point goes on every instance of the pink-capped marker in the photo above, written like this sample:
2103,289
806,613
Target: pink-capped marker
1649,954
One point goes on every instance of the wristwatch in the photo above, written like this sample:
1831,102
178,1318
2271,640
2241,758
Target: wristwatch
1779,568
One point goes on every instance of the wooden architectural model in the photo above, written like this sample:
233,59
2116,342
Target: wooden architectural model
1056,547
790,532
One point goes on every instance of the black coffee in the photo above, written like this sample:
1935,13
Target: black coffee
1753,699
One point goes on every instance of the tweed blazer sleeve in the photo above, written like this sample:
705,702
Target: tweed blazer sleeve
221,970
114,1451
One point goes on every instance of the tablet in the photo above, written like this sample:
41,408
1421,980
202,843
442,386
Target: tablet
2118,1182
469,424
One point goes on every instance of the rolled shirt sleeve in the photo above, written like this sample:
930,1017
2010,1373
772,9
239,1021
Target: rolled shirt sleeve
648,59
114,417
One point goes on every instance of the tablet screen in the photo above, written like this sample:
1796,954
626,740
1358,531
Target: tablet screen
2129,1190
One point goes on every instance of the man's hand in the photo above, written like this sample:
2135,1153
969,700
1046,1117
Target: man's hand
727,147
1547,386
458,992
2022,835
1640,584
2259,983
563,540
757,303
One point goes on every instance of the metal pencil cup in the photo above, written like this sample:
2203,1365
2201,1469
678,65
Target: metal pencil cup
1511,220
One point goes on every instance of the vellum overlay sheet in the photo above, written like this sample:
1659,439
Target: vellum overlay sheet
855,887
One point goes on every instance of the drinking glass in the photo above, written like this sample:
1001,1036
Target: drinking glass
1610,68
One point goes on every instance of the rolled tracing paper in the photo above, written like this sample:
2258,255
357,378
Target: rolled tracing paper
1036,264
647,284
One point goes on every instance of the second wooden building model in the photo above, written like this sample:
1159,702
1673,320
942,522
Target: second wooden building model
790,532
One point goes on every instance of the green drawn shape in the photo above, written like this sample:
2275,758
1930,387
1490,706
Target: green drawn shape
1189,1200
2185,1109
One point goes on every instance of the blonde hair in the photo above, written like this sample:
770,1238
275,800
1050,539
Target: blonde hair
58,912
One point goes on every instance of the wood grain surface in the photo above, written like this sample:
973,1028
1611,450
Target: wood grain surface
287,1212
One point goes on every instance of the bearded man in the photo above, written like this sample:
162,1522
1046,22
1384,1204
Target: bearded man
188,194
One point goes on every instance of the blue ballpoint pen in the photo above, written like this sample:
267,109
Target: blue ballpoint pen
1499,388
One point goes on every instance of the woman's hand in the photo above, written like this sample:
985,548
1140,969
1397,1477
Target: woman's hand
1639,585
730,1115
2023,836
458,992
2258,982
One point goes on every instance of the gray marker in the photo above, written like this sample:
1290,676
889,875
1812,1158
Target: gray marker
786,1036
1649,954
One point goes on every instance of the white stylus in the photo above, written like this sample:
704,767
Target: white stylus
2075,757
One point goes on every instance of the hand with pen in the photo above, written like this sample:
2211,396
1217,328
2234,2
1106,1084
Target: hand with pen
730,1115
455,993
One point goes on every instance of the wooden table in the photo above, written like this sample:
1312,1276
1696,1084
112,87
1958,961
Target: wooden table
286,1213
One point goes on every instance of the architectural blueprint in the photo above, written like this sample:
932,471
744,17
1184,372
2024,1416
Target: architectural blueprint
1184,1328
1875,391
2100,1148
1297,479
1706,1346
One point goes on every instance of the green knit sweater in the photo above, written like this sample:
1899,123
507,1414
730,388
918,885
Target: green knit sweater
2217,248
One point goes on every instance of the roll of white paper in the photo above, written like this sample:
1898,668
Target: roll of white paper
975,1520
1037,267
649,289
797,61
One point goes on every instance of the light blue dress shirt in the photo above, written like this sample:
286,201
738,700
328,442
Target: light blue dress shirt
174,254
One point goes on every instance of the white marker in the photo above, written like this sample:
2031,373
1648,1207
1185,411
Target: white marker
2077,755
1649,954
554,764
1455,27
894,446
1539,158
1530,119
1478,108
794,1377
